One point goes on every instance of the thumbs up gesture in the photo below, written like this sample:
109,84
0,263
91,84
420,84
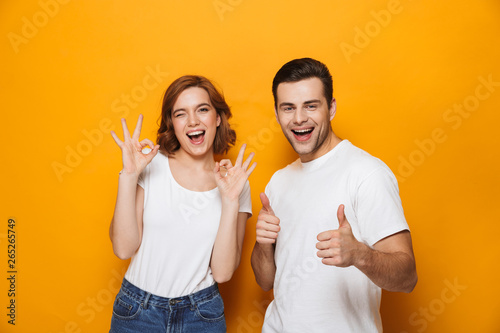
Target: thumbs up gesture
268,225
338,247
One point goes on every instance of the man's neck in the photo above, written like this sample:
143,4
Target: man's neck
330,142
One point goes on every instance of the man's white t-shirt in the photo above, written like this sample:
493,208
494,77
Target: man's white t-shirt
308,295
179,232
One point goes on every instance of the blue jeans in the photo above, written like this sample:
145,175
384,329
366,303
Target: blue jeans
136,310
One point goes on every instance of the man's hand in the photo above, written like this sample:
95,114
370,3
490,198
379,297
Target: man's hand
339,247
268,225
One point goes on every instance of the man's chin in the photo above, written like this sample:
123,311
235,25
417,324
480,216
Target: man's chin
302,148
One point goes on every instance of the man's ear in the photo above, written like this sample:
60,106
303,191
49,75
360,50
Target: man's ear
333,108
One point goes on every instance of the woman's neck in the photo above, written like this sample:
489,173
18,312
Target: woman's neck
194,162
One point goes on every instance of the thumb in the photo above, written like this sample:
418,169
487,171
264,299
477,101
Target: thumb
152,153
266,205
217,171
343,223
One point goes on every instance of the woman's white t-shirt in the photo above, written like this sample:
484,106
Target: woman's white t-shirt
179,230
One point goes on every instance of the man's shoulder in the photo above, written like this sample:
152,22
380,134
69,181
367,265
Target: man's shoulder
359,165
360,160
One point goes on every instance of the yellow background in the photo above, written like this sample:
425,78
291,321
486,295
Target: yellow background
399,68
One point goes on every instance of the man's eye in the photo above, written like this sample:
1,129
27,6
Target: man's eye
288,109
311,107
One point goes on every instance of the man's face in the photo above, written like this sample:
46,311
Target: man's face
304,116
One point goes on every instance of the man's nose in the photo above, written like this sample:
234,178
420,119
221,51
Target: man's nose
300,116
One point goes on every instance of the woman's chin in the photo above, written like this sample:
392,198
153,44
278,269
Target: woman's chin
196,150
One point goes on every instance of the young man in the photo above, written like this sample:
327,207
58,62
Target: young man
331,233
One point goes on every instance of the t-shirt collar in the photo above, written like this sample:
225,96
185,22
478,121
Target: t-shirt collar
318,162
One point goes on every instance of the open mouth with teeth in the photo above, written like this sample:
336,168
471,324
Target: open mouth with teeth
302,134
196,137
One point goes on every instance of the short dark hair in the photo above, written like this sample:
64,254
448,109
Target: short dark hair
225,136
301,69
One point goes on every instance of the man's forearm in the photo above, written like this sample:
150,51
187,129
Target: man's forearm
263,265
395,271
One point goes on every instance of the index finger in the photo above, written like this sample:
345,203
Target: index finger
137,131
325,235
117,140
268,218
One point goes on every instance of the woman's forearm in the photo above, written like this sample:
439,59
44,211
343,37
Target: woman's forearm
124,231
226,253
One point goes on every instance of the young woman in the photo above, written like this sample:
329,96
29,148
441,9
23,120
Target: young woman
179,214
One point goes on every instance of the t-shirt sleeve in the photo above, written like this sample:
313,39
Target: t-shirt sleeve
144,176
245,199
378,206
140,181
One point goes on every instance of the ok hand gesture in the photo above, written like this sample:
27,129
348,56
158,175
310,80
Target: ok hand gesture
232,181
134,160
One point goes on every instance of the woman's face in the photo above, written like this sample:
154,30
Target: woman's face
195,121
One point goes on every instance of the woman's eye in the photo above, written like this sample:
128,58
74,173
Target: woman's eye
178,115
203,109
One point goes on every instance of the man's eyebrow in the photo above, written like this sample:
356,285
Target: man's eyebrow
312,101
286,104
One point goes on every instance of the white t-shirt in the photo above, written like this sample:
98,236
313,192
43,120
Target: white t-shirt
308,295
179,232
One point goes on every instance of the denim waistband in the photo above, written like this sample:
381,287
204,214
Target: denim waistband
176,302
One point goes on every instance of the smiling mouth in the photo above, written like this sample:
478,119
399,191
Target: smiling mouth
303,134
196,137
